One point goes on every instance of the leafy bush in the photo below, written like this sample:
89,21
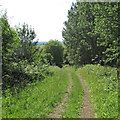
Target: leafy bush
22,61
54,48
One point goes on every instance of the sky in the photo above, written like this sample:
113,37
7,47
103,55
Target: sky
45,16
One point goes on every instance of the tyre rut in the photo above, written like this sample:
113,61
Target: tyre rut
59,108
86,111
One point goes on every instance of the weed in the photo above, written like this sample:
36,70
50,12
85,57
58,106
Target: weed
37,99
103,87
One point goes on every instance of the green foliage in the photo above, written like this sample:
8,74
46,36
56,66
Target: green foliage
10,44
22,61
37,99
103,85
91,34
54,50
10,40
78,34
28,48
107,24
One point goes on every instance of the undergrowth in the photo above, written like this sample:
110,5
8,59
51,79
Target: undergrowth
103,85
38,98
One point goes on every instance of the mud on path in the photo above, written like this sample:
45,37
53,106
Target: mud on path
59,108
86,111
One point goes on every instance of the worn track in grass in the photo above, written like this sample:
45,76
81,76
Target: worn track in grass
86,111
59,108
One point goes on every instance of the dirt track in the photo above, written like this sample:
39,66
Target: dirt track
59,108
87,111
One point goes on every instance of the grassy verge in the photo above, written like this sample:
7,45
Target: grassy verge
0,105
103,85
72,106
37,99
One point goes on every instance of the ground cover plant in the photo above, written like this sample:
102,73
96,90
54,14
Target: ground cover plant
37,99
103,85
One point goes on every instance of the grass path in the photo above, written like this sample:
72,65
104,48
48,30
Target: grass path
59,95
63,94
86,111
59,109
70,105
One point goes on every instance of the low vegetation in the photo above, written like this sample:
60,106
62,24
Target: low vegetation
37,99
103,85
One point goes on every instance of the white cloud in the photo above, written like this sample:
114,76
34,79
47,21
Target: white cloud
45,16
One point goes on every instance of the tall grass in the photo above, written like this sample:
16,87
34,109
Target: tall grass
103,85
38,98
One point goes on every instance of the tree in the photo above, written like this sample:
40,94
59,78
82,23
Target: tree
108,26
28,47
91,34
22,60
10,45
54,48
78,34
10,41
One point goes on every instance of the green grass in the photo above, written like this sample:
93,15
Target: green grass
0,105
37,99
72,107
40,98
103,85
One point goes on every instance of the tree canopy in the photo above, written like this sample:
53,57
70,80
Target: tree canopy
54,48
91,33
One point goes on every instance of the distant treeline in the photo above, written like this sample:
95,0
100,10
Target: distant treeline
41,43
